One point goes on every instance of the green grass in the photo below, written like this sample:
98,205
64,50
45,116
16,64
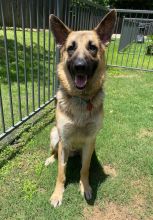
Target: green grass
134,55
44,90
118,59
125,143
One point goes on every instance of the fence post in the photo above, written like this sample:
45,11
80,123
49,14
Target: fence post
59,14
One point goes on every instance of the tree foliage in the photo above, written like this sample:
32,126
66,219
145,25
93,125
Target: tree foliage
127,4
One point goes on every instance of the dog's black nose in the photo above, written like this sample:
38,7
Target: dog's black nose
80,65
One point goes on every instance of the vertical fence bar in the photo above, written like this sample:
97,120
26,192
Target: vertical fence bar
7,66
129,49
85,17
94,19
44,41
89,14
150,54
72,20
38,54
1,111
113,48
140,51
60,15
31,53
81,17
24,57
134,48
144,41
83,20
78,16
91,19
49,39
116,61
140,48
53,70
17,64
147,45
74,15
68,10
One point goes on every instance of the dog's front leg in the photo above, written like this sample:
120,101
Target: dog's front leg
56,198
85,188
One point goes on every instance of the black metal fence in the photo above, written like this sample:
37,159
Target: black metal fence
132,41
28,55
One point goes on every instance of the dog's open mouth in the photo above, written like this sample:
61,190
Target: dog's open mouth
80,81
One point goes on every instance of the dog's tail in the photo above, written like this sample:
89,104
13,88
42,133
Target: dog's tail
54,139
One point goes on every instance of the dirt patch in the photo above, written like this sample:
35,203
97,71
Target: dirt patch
139,184
138,204
145,133
110,212
109,170
95,213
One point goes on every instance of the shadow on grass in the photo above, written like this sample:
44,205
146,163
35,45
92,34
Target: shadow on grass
97,175
12,61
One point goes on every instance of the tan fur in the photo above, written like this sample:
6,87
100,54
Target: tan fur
76,127
82,37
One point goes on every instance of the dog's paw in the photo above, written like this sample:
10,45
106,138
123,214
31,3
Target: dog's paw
50,160
56,200
86,191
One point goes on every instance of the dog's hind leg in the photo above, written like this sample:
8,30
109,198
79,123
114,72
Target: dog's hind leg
54,139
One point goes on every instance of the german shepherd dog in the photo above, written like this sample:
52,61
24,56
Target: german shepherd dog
79,110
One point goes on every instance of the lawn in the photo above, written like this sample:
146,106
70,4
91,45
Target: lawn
133,56
42,62
43,83
121,172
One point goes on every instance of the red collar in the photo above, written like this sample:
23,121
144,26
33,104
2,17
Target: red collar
88,103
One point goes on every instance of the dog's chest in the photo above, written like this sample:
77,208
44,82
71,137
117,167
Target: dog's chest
76,133
78,124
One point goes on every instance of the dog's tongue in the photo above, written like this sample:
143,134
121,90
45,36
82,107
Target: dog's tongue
80,81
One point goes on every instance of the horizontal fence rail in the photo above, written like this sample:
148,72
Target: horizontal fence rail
28,55
132,41
27,61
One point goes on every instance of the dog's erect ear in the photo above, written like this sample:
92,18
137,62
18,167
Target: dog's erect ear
59,30
106,27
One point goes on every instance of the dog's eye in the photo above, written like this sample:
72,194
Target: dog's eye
71,48
92,47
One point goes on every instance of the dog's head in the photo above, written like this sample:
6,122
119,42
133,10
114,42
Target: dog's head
82,66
